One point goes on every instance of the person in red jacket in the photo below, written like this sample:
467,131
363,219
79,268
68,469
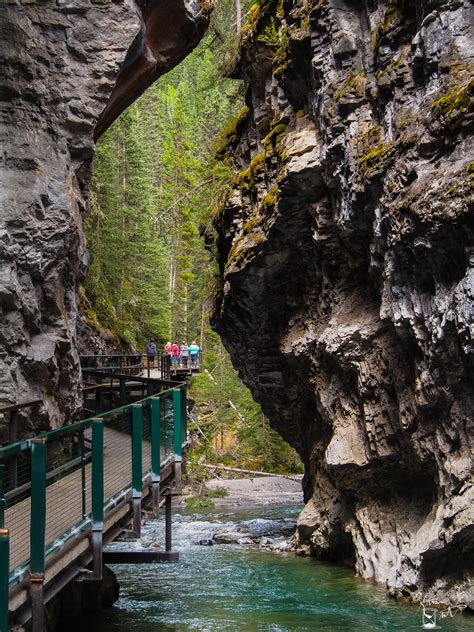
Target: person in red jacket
174,354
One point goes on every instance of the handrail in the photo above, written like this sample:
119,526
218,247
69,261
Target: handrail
70,460
14,407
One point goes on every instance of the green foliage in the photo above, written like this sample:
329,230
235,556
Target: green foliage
217,492
199,502
237,432
155,180
275,37
155,189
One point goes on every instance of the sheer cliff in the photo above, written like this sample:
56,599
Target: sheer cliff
65,65
346,257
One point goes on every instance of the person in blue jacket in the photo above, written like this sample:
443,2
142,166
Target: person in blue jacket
194,353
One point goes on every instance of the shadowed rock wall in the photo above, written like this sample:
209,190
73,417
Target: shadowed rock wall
346,255
60,62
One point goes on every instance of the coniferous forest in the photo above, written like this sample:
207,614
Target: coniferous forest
156,184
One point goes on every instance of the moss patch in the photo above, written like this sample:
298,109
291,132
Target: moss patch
391,20
232,131
454,106
354,85
272,138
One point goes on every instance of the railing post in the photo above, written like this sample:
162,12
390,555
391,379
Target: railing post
155,453
177,436
98,395
13,438
168,543
137,467
184,413
38,531
82,451
97,495
3,502
4,577
123,392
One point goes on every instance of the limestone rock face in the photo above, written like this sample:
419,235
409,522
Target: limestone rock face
345,249
60,61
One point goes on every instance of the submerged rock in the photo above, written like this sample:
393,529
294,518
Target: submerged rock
254,531
346,254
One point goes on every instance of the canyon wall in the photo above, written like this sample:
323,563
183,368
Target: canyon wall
64,65
346,257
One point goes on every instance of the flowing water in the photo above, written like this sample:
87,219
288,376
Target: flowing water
239,589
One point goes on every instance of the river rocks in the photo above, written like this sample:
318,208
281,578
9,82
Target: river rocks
258,531
60,61
345,249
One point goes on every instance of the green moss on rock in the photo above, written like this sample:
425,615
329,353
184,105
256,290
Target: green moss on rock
271,139
232,131
454,106
392,19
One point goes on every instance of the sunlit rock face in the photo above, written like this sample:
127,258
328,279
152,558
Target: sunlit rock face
60,62
346,256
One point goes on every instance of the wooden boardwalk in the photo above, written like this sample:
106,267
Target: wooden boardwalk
52,511
64,505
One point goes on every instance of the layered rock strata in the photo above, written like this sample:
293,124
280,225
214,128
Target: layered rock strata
60,62
346,255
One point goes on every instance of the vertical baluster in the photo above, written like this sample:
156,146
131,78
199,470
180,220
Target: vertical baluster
3,502
98,395
4,577
155,422
137,467
38,531
168,543
177,436
97,495
82,452
123,392
184,422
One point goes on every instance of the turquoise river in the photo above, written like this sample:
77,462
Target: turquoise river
239,589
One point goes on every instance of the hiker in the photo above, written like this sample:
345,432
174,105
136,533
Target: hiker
150,352
174,354
194,353
184,353
167,349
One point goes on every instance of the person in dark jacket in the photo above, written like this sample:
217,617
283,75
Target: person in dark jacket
151,352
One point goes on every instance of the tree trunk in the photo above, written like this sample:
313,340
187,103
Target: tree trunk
238,16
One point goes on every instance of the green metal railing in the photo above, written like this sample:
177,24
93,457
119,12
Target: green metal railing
56,487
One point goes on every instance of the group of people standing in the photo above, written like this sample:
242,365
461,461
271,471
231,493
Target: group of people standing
181,355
